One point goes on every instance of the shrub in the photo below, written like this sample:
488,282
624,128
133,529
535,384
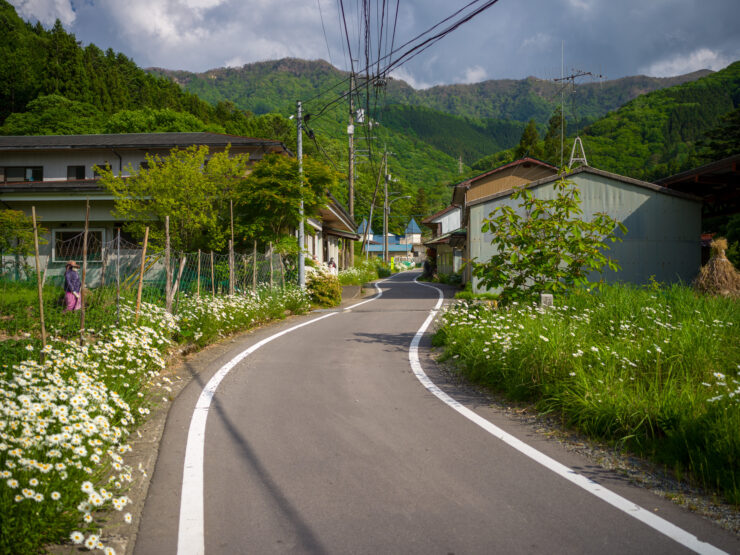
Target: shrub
323,287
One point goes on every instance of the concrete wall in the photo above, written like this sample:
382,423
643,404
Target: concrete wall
663,231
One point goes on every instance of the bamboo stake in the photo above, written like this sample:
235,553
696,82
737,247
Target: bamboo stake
213,277
175,291
141,272
118,277
84,273
244,259
197,291
231,267
103,265
38,280
282,273
168,267
254,266
271,266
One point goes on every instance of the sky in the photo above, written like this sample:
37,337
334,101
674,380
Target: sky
513,39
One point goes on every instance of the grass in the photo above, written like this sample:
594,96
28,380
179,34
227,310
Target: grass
657,371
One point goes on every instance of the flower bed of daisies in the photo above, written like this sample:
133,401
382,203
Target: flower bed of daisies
66,414
657,371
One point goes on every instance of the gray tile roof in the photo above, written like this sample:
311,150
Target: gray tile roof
128,140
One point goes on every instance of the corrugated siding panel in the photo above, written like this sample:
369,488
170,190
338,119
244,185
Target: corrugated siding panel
506,180
662,239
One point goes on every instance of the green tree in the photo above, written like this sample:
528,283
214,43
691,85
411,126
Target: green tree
54,115
16,237
190,187
555,129
268,202
545,245
529,144
157,121
420,207
724,139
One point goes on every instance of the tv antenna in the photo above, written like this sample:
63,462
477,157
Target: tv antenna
571,80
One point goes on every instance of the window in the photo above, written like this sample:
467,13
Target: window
68,244
18,174
75,172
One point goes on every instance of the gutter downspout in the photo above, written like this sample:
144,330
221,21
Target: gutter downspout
120,161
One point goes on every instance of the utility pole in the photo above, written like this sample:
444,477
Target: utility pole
459,165
301,239
385,210
351,172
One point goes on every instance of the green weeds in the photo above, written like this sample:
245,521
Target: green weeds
656,371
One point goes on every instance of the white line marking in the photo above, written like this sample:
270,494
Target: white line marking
191,529
657,523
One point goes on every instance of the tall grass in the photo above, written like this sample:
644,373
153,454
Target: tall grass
657,371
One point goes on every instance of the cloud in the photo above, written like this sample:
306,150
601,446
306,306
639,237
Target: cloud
403,74
474,74
46,11
703,58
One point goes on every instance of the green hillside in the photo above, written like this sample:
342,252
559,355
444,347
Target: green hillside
658,134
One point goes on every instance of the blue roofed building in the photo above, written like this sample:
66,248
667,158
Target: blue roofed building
406,247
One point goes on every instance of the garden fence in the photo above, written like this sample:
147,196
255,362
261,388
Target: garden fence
115,270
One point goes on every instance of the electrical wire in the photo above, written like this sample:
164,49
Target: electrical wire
323,29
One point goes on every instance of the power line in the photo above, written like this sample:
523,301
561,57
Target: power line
323,29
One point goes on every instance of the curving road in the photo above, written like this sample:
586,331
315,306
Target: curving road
324,440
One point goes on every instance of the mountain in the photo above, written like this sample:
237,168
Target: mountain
470,121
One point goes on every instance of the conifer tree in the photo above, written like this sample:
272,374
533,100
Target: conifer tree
552,138
529,144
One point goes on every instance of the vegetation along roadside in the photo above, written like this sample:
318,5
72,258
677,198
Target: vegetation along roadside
67,411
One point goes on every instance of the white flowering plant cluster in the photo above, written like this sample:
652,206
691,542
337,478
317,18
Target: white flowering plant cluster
64,422
362,272
657,371
323,286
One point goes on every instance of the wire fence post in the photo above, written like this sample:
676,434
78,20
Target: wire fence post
271,266
197,290
231,267
175,289
282,272
38,281
254,266
244,260
168,267
118,277
213,277
141,272
84,273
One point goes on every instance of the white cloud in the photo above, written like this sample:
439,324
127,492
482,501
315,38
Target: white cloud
46,11
474,74
404,75
703,58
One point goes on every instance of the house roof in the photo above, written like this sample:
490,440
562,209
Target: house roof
130,140
451,237
413,227
439,214
464,185
717,183
594,171
371,247
361,229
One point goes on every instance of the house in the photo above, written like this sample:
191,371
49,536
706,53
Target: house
55,174
663,225
493,182
448,239
406,247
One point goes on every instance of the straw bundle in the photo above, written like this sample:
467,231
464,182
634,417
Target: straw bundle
718,276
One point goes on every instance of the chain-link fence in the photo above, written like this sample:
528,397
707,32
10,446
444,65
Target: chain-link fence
115,270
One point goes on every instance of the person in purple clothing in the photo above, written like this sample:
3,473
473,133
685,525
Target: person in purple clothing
72,285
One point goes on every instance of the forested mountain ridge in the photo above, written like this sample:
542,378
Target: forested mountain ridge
276,85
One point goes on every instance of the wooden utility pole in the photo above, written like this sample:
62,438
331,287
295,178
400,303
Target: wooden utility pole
351,172
385,210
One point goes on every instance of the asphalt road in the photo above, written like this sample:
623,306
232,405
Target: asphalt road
324,441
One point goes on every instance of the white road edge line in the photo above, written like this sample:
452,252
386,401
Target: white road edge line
191,528
657,523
